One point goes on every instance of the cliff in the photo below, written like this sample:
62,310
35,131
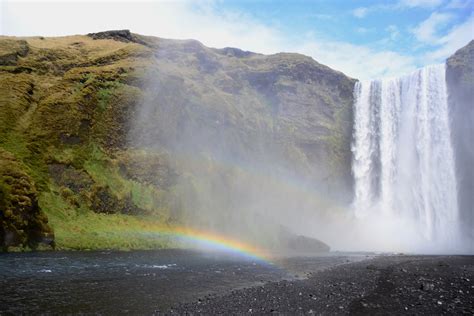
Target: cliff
96,128
460,80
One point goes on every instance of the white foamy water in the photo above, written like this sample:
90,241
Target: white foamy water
403,161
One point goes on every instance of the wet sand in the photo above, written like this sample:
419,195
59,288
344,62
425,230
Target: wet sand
386,285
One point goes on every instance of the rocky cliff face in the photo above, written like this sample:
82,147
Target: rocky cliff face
254,108
261,140
71,117
460,80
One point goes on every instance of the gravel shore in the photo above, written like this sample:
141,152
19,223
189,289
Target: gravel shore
386,285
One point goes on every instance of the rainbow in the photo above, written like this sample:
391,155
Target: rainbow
210,240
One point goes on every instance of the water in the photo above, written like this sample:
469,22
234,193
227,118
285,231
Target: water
137,282
403,164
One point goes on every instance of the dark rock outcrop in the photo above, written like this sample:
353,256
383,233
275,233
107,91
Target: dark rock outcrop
300,245
460,81
235,52
118,35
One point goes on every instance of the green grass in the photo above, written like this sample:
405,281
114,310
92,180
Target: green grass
105,94
105,173
69,110
82,229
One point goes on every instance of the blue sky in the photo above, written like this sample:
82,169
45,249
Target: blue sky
364,39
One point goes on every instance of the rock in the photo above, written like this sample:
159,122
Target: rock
459,79
300,244
118,35
426,286
235,52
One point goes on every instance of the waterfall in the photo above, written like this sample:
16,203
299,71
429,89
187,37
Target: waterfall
403,163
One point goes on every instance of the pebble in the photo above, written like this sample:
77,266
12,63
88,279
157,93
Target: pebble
425,286
428,293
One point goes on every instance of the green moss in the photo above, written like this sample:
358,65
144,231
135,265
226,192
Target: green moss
22,223
83,229
63,102
106,173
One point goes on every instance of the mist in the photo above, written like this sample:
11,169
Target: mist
228,135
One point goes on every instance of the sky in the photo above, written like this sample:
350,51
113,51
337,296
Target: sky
365,39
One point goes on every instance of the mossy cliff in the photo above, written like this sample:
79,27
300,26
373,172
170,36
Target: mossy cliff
66,105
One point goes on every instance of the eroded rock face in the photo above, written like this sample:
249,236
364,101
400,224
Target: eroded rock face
149,168
118,35
460,80
22,223
257,109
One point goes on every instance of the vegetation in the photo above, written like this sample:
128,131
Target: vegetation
21,221
63,104
65,110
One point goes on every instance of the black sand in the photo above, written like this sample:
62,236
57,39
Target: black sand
190,282
387,285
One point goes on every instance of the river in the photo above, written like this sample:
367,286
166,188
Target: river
137,282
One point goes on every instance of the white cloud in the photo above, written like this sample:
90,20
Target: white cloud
427,31
321,16
360,12
420,3
358,61
363,30
459,4
394,32
456,38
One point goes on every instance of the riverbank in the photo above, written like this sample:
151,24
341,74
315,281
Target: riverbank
137,282
176,281
387,285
